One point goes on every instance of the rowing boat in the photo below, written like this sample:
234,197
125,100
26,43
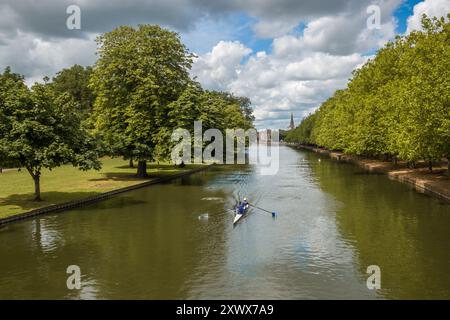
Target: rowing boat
238,216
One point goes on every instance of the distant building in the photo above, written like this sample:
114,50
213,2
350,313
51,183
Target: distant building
292,125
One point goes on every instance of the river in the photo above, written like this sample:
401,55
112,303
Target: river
176,240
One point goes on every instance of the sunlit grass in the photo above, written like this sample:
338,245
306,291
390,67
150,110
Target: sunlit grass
68,183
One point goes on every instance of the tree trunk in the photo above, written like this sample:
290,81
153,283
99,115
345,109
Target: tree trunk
430,166
394,158
37,187
36,175
131,163
142,169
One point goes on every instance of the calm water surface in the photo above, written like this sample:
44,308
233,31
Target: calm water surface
156,243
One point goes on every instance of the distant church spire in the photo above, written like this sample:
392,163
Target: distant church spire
292,126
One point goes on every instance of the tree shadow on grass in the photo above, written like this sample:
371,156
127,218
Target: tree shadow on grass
117,176
126,176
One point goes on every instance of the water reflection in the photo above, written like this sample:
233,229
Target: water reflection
392,226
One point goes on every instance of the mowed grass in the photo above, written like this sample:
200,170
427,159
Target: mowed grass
67,183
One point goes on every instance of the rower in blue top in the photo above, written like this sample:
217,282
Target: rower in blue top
242,207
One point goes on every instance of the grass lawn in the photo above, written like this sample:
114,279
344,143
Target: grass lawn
68,183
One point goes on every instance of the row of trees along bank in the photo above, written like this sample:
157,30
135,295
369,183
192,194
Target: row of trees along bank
396,106
127,104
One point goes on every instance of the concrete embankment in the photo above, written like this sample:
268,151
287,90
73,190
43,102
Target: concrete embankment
436,183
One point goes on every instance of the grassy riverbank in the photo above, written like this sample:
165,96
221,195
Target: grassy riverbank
68,183
436,182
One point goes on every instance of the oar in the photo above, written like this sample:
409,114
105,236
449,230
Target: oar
274,214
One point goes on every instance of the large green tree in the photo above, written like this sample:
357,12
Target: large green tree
39,129
140,71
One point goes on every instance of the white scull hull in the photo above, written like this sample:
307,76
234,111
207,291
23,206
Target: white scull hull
238,217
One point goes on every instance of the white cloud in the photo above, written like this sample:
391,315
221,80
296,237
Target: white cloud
222,65
340,35
322,66
277,84
432,8
35,57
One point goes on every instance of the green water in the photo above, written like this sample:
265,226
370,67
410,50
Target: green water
156,243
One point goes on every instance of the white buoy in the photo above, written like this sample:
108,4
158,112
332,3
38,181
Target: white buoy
204,216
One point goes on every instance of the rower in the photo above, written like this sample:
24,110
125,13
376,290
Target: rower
245,202
241,208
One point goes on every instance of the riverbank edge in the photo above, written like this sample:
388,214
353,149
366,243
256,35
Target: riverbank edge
406,178
97,198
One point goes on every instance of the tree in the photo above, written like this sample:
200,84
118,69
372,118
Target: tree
427,102
75,81
244,105
140,71
39,129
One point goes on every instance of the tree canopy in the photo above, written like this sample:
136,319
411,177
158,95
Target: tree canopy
39,129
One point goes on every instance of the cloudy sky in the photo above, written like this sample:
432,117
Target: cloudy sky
285,55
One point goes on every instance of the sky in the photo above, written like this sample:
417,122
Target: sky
287,56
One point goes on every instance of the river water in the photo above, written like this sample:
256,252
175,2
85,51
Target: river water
177,241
